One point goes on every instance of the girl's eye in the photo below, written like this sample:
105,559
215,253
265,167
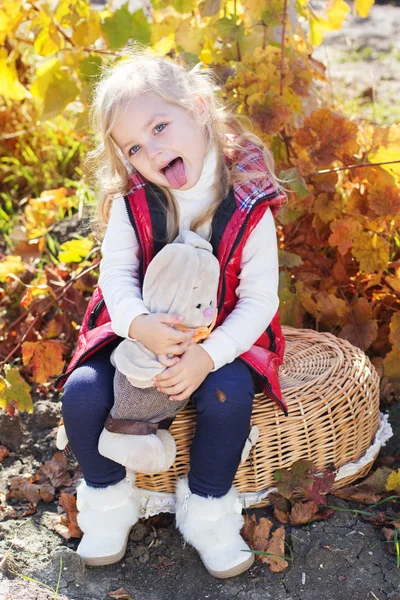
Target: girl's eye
163,125
130,151
198,306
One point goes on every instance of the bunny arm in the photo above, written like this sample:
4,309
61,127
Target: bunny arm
137,363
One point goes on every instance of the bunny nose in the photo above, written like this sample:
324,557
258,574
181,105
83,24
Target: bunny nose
209,312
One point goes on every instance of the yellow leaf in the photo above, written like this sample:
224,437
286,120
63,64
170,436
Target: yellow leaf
87,31
394,335
14,392
75,250
393,481
387,144
391,364
43,358
48,39
371,251
190,38
11,265
163,46
10,86
337,13
11,14
363,7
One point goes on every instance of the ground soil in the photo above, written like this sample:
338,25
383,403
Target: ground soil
344,558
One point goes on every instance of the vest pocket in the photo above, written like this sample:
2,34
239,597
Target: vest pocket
95,314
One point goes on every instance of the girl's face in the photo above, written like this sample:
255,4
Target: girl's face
151,133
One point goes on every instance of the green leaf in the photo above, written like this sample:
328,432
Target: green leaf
295,181
227,27
118,27
14,392
141,27
184,6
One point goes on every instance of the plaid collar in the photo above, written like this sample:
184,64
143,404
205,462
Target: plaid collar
247,193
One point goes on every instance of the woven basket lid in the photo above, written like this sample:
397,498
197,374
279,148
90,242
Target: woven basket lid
332,392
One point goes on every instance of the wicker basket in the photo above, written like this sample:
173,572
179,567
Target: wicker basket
332,392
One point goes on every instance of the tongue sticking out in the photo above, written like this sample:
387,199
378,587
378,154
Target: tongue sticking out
175,173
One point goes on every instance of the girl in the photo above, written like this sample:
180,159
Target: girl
171,157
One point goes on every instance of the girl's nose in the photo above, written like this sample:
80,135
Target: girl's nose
209,312
153,150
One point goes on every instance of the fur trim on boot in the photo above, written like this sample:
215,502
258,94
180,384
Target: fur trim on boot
141,453
212,526
106,516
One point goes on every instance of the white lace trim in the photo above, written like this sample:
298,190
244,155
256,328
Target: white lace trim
153,503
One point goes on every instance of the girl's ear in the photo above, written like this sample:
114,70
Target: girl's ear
201,104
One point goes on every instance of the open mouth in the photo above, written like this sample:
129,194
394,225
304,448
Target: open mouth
170,164
175,173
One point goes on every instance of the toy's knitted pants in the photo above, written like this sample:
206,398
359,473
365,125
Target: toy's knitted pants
137,410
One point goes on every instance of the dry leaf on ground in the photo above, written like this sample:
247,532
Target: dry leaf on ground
120,594
68,503
276,548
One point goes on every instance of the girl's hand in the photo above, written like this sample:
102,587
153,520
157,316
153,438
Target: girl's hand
157,333
181,380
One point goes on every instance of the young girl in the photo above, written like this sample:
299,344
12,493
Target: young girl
172,157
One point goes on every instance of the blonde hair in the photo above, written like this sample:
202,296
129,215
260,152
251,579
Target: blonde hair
139,73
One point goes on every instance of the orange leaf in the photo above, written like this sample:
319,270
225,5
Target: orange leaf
43,358
362,329
261,534
68,502
3,453
343,232
303,512
276,547
328,136
120,594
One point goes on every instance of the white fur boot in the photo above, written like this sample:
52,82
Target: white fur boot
141,453
106,516
212,526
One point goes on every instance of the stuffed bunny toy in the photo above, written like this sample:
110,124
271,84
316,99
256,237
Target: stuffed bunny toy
181,279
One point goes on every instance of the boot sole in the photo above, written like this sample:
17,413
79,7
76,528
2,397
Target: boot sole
234,570
102,561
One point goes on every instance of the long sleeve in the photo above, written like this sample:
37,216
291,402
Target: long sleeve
119,280
257,293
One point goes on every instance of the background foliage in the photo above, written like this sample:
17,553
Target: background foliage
338,235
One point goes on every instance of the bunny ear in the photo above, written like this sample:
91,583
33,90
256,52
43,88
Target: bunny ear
193,239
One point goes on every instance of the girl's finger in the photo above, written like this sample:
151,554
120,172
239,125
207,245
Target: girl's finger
185,395
167,362
168,374
178,349
180,337
173,389
171,319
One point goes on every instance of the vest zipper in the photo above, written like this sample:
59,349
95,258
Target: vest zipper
236,243
95,313
82,358
139,241
271,335
267,385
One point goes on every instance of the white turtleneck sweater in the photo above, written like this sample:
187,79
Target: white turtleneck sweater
258,281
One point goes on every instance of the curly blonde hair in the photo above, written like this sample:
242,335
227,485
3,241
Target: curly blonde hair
139,72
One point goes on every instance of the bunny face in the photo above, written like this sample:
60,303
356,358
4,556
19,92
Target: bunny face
201,304
183,279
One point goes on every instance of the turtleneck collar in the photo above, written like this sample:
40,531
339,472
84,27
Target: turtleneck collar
206,182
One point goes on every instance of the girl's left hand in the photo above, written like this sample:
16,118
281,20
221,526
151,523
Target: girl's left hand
181,380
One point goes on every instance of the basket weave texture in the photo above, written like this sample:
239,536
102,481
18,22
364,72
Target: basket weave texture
332,392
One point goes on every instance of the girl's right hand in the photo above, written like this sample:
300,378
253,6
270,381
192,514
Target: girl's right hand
157,333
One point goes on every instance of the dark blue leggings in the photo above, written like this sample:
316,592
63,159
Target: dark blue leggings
221,431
